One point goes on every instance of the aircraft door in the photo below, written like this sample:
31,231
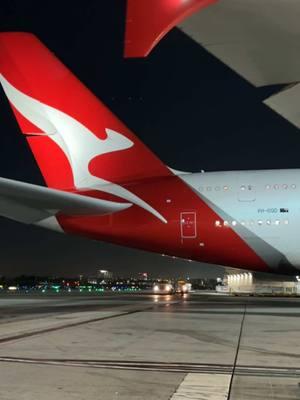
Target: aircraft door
188,225
246,188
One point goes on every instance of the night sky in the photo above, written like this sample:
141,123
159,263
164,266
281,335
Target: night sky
189,108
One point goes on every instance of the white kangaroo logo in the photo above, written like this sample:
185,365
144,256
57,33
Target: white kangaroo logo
77,142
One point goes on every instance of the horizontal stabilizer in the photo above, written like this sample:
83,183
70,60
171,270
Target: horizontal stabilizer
286,103
30,204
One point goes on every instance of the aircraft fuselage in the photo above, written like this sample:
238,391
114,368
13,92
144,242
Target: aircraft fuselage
243,219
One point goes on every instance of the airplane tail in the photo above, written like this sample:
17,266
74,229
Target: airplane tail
76,141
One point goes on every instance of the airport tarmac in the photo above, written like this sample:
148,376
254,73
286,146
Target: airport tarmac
142,346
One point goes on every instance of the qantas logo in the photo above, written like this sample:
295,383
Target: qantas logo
77,142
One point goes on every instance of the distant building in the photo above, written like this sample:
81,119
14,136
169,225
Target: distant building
240,281
143,276
104,274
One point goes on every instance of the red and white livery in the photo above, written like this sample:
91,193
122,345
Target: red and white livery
105,184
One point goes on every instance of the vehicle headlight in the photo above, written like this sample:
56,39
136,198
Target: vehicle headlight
155,288
168,288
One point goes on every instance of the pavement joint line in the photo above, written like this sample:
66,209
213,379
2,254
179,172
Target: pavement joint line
178,367
237,352
66,326
118,366
75,324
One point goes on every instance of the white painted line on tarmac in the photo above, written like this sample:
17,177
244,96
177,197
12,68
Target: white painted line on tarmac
203,387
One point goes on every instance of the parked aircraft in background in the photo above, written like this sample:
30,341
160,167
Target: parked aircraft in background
105,184
259,40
